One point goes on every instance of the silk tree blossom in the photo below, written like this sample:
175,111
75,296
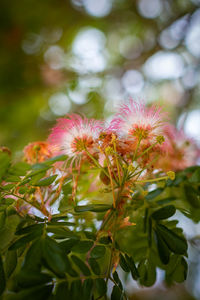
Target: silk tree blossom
181,151
37,152
135,120
74,135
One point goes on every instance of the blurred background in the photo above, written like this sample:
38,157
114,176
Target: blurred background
88,56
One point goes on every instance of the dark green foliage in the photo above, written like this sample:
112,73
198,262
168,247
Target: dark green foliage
2,277
45,181
98,251
4,163
94,266
147,272
93,208
164,212
53,259
116,293
100,286
10,262
82,246
81,265
175,243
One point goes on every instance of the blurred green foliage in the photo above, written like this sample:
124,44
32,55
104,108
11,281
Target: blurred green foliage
38,59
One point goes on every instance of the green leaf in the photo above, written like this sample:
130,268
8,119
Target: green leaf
4,163
2,218
195,178
37,177
117,280
174,242
26,279
10,263
37,292
12,178
2,277
163,250
177,270
55,257
92,207
123,263
60,232
62,291
87,289
81,265
101,286
33,257
67,245
90,235
8,187
154,194
7,233
19,169
105,240
76,289
132,266
7,201
46,181
117,293
94,266
82,246
166,200
98,251
25,240
23,190
55,159
29,229
191,196
147,272
164,212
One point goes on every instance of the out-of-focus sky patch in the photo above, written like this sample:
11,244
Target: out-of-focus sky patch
94,8
59,104
193,35
191,124
88,49
164,65
150,8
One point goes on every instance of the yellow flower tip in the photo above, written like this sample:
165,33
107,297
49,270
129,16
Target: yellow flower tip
144,193
109,150
160,139
124,166
171,175
113,137
131,168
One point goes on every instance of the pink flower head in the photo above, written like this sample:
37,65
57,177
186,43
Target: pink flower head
182,152
74,134
138,121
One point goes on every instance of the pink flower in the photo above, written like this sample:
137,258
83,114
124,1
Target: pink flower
138,121
74,134
182,152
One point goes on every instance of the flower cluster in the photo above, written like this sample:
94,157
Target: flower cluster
138,146
138,138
